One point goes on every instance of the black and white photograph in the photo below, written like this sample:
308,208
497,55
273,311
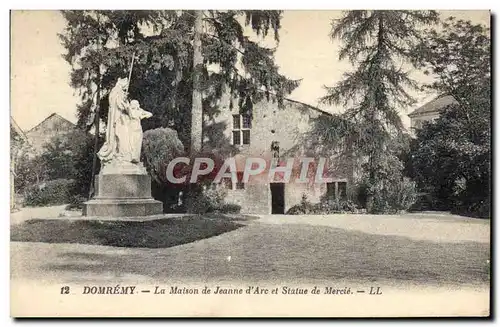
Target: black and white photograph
250,163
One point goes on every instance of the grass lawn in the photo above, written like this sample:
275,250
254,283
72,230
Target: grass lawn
160,233
229,250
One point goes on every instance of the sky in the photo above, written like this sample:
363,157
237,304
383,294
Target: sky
40,76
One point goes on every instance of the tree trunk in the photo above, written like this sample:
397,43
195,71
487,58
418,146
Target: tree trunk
197,110
96,138
96,114
369,194
371,182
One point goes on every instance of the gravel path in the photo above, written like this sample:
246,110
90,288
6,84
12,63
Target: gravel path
429,227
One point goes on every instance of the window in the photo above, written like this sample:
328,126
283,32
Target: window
336,190
228,183
241,129
239,185
275,149
330,190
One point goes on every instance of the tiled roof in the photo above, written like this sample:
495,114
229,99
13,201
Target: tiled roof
436,105
53,116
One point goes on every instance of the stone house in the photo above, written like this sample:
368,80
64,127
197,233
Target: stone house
430,111
42,134
271,132
31,144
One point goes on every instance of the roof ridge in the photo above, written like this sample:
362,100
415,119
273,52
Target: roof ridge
18,129
48,117
431,106
310,106
300,102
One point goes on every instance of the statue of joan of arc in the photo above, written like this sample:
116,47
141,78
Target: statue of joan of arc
123,133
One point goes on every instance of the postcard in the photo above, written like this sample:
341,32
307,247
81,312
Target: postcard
250,163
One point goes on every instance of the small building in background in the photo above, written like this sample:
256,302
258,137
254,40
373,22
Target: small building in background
53,125
430,111
27,146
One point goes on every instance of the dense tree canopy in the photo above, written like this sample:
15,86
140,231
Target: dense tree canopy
162,75
451,156
378,44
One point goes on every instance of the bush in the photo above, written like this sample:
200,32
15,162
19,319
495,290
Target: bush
427,201
159,147
200,201
199,204
83,157
29,171
230,208
206,200
395,197
76,202
53,192
335,206
326,206
303,208
70,156
361,194
472,205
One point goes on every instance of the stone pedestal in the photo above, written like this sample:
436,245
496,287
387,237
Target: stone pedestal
122,195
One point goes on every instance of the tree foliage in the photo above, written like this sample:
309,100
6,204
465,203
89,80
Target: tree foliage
162,75
159,147
378,44
66,157
28,171
452,156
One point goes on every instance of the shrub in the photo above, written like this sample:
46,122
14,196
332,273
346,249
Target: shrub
70,156
29,171
303,208
335,206
473,205
76,202
230,208
53,192
395,197
427,201
360,194
159,147
83,156
215,197
200,200
326,206
199,204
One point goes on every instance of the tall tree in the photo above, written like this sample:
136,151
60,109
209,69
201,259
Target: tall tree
378,44
458,55
197,110
162,79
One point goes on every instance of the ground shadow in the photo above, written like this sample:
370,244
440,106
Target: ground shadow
257,253
162,233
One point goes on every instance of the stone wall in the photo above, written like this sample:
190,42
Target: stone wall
43,133
289,127
417,121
